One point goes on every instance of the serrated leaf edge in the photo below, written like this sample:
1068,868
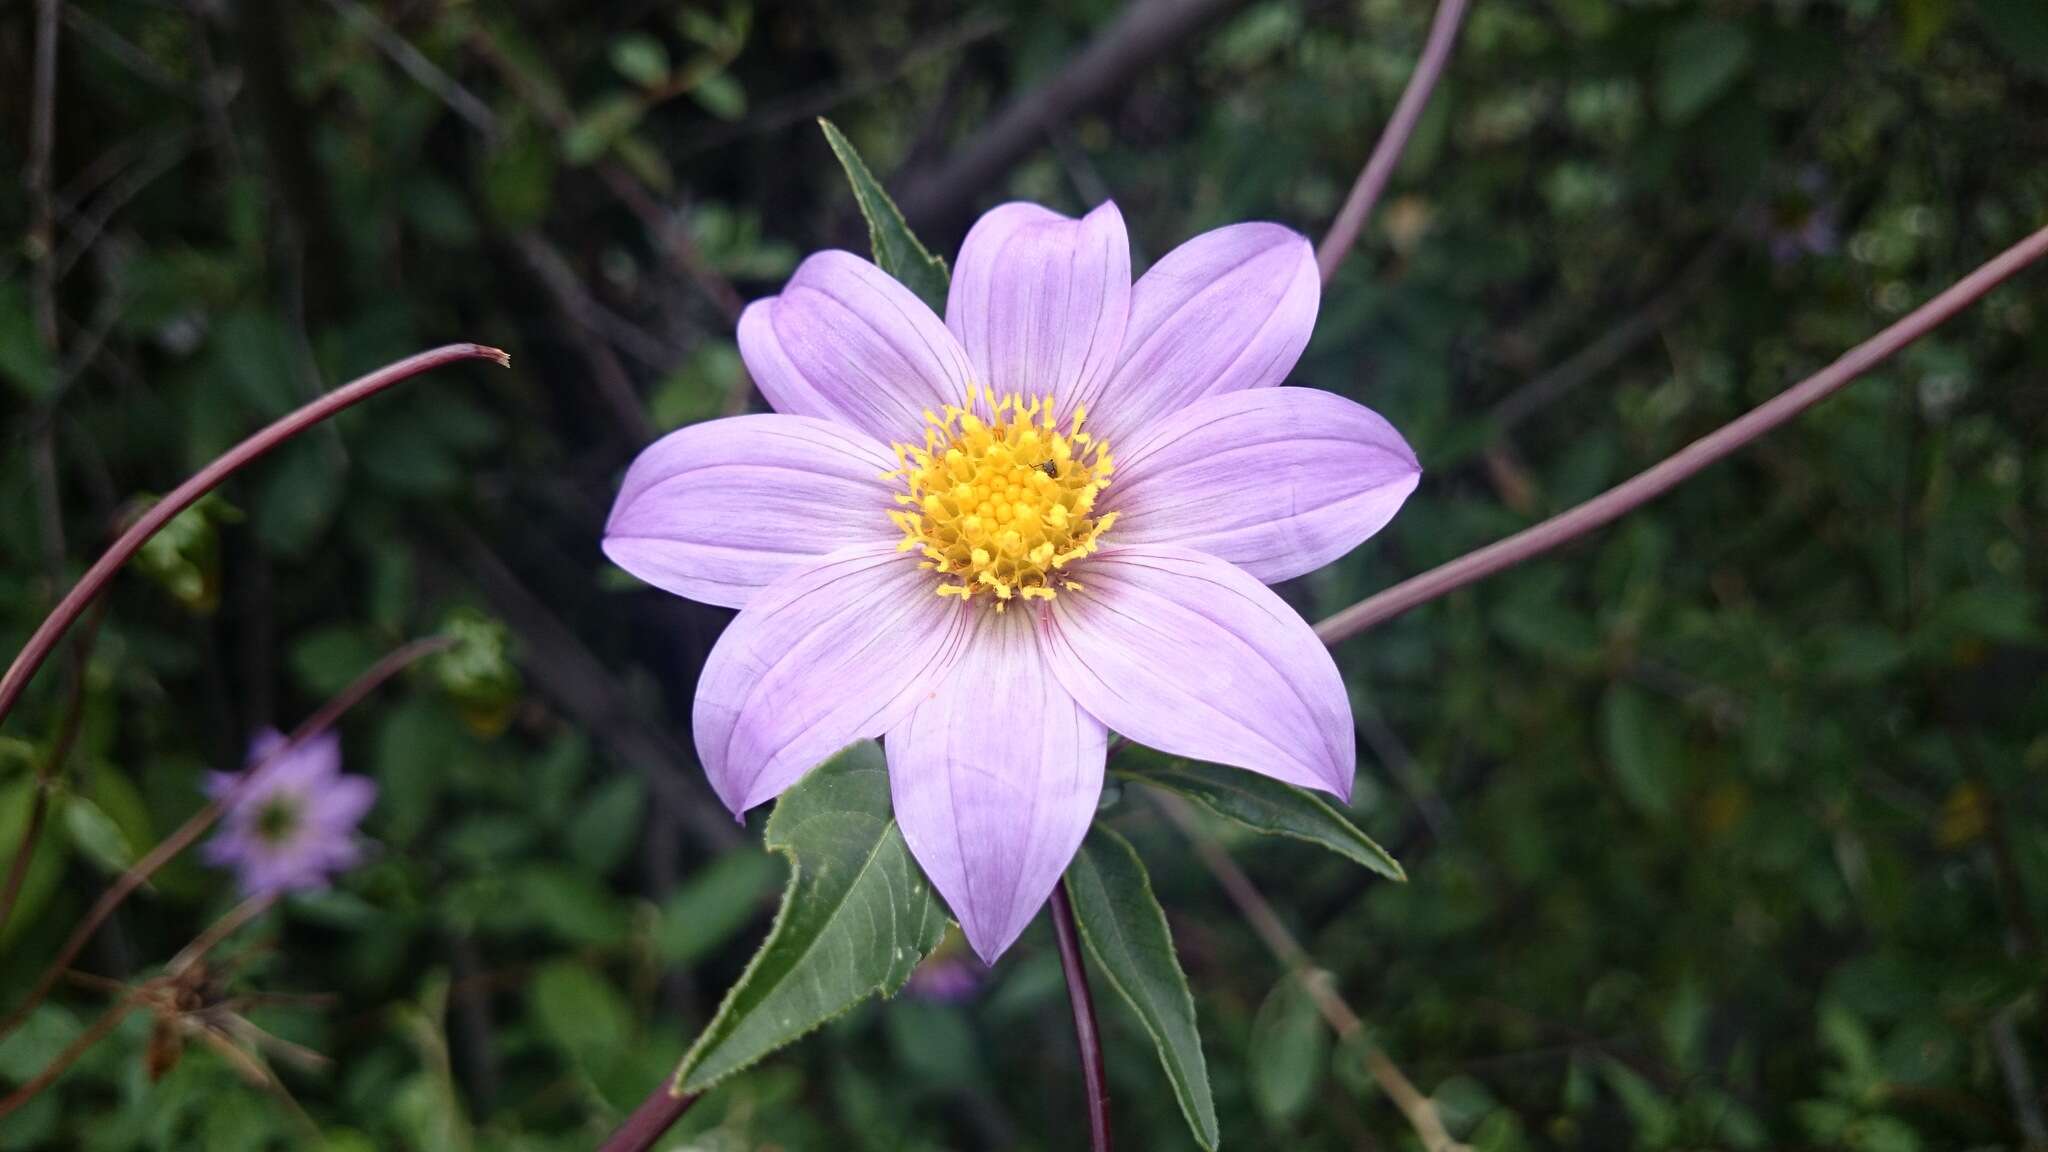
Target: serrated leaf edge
1213,1139
680,1080
857,170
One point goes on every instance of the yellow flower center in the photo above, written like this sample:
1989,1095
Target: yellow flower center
1001,503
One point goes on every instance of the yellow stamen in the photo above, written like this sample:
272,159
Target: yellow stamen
999,500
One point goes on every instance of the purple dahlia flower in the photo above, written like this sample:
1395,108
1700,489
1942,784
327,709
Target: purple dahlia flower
291,825
990,539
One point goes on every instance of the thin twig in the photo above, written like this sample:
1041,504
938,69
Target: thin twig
1416,1108
1144,33
132,998
655,1115
1618,341
226,926
185,495
424,72
1086,1034
578,312
1662,477
69,1056
805,107
571,675
140,872
1379,167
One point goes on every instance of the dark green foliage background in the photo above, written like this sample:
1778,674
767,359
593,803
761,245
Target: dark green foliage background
1724,828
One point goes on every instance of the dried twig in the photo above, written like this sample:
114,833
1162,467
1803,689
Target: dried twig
414,63
1417,1108
1143,34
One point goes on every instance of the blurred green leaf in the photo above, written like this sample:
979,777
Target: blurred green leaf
1127,937
896,249
1643,749
607,825
328,660
24,359
581,1013
1288,1054
1267,805
1697,62
713,905
641,59
601,127
855,920
96,835
298,491
721,95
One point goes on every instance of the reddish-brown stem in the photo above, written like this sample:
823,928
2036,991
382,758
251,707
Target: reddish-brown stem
1085,1032
1379,167
205,480
391,665
68,1056
662,1108
1655,481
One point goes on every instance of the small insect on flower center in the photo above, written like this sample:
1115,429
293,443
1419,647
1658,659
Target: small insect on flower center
276,820
1001,498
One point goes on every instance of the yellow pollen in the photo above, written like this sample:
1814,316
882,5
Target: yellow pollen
999,499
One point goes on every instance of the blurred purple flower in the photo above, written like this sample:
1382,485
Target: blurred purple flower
292,825
930,541
1803,221
946,977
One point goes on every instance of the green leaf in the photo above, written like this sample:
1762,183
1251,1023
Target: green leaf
581,1013
1126,934
1696,64
1266,805
95,834
25,361
1643,749
721,95
641,59
1288,1053
897,250
714,904
604,125
608,825
856,918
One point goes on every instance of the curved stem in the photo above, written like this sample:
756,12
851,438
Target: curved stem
1661,478
1379,167
1085,1031
662,1108
203,819
205,480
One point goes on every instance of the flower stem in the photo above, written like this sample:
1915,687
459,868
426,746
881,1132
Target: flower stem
1379,167
662,1108
205,480
1655,481
1085,1031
